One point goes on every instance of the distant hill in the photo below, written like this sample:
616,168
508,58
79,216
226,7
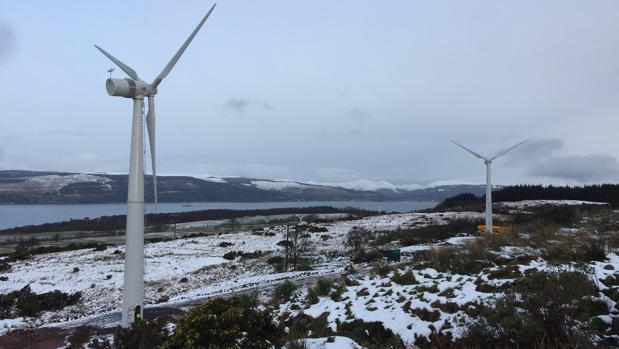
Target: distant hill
38,187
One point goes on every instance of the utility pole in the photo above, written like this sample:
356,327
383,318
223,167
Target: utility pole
287,243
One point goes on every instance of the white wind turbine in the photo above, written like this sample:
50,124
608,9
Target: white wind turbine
135,88
488,162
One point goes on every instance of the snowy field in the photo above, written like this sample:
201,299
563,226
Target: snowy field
534,203
98,275
187,269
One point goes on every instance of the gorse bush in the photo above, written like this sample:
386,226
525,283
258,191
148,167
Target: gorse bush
5,266
323,286
408,278
428,234
236,322
27,303
561,215
566,249
284,292
142,334
372,335
356,241
275,260
542,309
448,259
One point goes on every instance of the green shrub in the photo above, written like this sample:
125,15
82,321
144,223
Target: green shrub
561,215
80,337
312,296
27,303
542,309
302,326
428,234
275,260
284,292
5,266
141,334
230,255
304,266
408,278
426,315
382,269
236,322
372,335
323,286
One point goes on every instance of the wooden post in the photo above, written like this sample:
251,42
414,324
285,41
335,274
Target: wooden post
287,242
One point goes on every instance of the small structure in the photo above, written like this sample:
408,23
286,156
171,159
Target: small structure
495,229
393,255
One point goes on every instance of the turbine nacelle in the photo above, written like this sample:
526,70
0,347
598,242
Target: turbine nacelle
128,88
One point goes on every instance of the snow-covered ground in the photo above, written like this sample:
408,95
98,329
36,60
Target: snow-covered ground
187,269
335,343
98,275
401,307
54,183
533,203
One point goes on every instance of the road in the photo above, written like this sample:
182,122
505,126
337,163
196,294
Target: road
177,308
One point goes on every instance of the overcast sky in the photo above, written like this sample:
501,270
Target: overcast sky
328,91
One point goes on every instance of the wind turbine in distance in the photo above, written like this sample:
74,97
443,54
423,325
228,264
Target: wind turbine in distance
488,162
135,88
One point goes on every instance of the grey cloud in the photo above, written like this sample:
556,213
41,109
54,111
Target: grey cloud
359,114
7,41
545,158
240,104
581,168
535,149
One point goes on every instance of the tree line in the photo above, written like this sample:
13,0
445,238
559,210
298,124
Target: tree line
608,193
118,222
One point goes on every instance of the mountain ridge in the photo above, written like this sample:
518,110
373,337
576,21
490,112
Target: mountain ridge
54,187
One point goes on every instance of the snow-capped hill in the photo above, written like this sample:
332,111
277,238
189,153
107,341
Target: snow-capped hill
278,185
23,187
213,179
53,183
364,185
381,185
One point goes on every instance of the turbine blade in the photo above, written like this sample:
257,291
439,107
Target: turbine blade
150,126
469,150
127,69
502,152
180,52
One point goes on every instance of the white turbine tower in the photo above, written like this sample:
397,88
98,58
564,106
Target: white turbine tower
135,88
488,162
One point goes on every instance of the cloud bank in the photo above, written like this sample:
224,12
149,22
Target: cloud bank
547,158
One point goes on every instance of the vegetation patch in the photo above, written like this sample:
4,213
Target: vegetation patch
542,309
408,278
27,303
236,322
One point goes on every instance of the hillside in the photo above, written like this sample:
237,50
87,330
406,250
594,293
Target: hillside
35,187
